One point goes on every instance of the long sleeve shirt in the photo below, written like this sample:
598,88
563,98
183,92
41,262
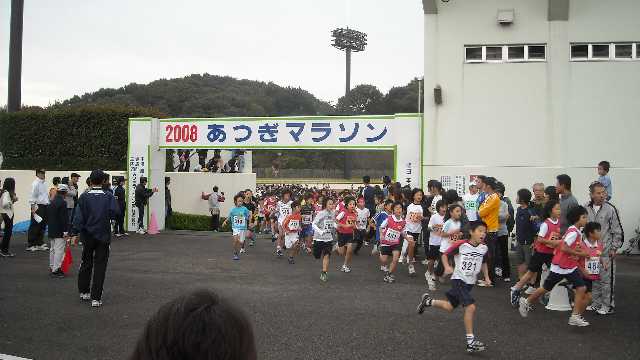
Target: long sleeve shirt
96,209
489,211
39,193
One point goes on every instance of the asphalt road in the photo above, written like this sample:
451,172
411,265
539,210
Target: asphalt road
353,316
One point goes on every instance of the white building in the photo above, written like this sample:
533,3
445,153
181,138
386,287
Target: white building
534,88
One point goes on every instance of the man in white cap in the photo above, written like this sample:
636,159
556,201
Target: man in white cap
470,201
58,228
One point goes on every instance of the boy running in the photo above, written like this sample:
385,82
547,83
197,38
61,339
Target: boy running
283,210
239,216
564,265
470,257
291,226
307,212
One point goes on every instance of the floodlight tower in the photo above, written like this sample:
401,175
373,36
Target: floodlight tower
348,40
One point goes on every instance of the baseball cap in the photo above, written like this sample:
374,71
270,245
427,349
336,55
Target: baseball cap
63,187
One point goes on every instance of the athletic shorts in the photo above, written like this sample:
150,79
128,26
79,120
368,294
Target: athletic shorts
575,278
589,284
414,235
360,235
460,293
290,240
524,253
240,233
322,248
389,249
434,252
537,259
344,239
273,216
307,230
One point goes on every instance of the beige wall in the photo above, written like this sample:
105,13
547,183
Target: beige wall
185,188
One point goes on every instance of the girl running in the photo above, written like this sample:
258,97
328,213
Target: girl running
436,224
393,231
324,226
450,233
414,227
346,227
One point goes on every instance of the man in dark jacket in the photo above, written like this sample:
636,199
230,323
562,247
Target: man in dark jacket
58,228
96,209
142,199
120,195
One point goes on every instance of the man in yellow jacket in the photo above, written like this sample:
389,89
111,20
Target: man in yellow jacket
488,212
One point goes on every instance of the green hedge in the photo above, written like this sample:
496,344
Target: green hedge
64,138
180,221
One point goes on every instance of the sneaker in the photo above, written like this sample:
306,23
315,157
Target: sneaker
374,251
425,302
32,248
401,260
384,268
475,346
515,297
242,251
530,290
279,253
6,254
323,277
432,285
96,303
412,270
425,262
392,279
345,269
125,234
236,257
593,307
386,278
577,320
273,238
604,310
291,261
506,279
498,272
57,274
366,243
118,235
42,247
252,243
524,307
482,283
85,296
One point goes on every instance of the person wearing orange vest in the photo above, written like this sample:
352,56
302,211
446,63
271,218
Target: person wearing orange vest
489,211
564,265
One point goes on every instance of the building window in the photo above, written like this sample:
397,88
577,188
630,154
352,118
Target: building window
504,53
605,52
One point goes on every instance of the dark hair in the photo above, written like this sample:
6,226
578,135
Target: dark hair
575,213
481,178
551,192
604,165
143,179
440,204
491,182
500,188
56,180
348,199
215,189
75,175
40,171
198,325
591,227
564,180
450,209
9,185
295,204
286,191
386,180
451,197
388,202
366,179
238,196
473,225
436,184
524,196
415,191
548,207
65,180
397,203
595,185
167,180
325,200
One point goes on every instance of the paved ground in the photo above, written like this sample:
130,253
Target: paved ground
354,316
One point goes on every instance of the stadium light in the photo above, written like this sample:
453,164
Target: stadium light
348,40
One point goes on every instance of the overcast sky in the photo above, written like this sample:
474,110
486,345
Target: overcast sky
75,46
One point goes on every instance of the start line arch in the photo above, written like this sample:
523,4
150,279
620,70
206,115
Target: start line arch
149,138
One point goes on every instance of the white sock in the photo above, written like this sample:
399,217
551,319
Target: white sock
470,339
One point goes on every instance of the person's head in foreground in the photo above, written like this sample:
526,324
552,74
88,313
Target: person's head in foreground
199,325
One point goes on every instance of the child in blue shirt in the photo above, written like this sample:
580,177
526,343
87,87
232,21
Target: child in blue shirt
604,178
239,217
379,219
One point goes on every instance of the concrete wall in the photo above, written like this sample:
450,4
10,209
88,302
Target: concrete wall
527,122
185,188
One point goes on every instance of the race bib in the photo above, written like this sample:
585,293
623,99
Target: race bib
392,235
469,265
414,217
329,225
306,219
470,205
362,223
285,211
592,265
294,225
239,221
351,221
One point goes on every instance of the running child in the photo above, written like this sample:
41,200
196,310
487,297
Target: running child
590,266
436,224
393,231
564,265
470,257
362,224
262,216
544,246
379,219
239,216
346,227
450,233
324,226
415,214
308,211
283,210
292,226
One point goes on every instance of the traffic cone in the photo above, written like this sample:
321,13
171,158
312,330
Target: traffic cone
153,225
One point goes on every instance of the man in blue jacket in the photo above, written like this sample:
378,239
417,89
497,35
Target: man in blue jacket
96,209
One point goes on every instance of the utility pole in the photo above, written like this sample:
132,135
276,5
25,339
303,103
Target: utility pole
14,100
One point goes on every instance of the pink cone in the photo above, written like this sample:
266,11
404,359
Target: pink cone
153,225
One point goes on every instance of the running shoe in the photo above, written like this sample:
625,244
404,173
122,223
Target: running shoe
498,272
345,269
386,278
524,307
577,320
432,285
605,310
593,307
401,260
425,261
475,346
252,243
242,251
85,296
412,270
96,303
425,302
323,277
279,252
6,254
392,279
506,279
482,283
236,257
515,297
366,243
32,248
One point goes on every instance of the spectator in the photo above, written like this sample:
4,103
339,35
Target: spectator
54,188
142,196
526,226
7,199
604,178
368,195
550,193
167,199
71,198
214,199
199,325
96,209
567,201
605,214
503,267
121,201
489,212
57,230
38,201
386,182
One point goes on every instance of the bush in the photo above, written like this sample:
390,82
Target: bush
180,221
68,138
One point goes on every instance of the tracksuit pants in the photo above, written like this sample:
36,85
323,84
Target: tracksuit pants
603,289
56,253
95,255
35,235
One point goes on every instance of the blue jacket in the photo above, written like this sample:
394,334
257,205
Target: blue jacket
94,213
